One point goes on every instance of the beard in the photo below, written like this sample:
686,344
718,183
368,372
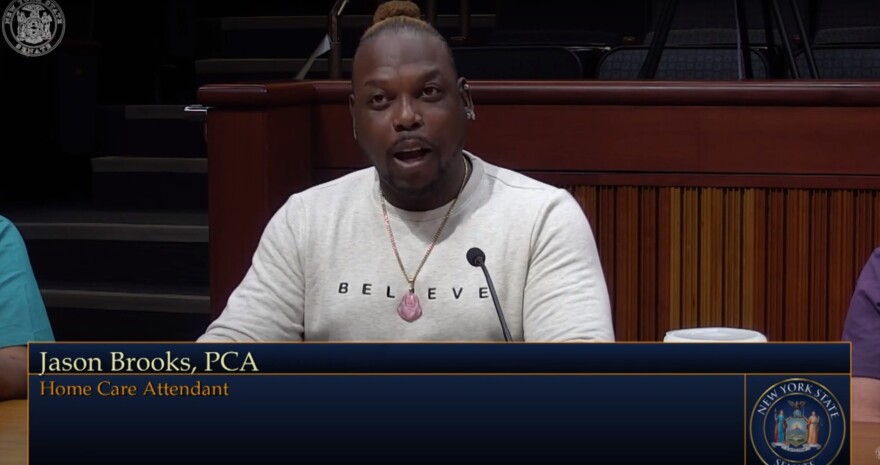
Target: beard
400,187
404,188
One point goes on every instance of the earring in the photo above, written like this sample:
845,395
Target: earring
470,114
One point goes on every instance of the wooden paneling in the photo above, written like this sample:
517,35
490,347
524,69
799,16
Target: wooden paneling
818,266
733,257
753,258
841,260
647,245
876,216
711,261
775,256
233,240
708,140
626,278
690,258
605,225
797,269
864,232
252,170
670,256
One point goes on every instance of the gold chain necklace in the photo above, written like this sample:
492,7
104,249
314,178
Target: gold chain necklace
409,307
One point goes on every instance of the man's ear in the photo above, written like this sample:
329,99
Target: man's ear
465,92
351,112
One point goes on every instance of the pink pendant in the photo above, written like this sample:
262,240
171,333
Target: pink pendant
409,308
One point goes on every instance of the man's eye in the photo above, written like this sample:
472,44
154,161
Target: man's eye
378,99
430,91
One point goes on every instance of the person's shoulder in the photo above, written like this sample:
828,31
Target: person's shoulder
336,191
517,183
510,186
342,186
871,270
8,232
874,259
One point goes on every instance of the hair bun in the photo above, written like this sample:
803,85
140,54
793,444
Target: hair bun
396,8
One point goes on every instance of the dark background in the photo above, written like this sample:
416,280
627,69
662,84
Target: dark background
105,174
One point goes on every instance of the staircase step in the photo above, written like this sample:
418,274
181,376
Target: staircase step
114,232
83,324
74,214
320,8
161,112
288,66
229,70
113,247
125,313
119,274
297,36
281,8
278,43
120,262
153,183
149,165
251,23
130,298
133,129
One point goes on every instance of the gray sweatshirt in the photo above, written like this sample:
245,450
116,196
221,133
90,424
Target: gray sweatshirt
325,270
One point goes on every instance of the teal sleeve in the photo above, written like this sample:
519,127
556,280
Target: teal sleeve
22,312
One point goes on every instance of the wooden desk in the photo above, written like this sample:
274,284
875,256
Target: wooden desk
13,432
865,443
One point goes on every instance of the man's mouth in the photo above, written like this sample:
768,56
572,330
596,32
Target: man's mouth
413,154
409,152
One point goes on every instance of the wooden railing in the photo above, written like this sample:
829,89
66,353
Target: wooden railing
740,204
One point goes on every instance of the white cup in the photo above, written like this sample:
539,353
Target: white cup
714,335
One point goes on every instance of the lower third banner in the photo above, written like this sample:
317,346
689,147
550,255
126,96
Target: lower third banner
344,403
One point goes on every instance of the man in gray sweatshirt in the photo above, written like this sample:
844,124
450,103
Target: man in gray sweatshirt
379,255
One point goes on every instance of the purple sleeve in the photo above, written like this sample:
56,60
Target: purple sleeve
862,325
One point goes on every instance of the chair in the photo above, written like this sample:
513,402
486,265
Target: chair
519,62
705,22
853,61
847,22
681,63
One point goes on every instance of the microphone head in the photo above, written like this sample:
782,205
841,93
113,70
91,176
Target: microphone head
475,256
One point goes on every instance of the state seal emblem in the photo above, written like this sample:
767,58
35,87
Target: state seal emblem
797,421
33,27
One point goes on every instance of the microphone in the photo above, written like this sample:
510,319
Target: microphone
476,257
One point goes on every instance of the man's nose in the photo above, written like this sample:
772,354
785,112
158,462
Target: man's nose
407,115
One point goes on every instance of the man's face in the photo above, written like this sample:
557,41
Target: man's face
408,110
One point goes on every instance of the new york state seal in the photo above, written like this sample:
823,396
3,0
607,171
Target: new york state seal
797,421
33,27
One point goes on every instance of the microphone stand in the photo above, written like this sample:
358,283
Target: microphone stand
506,331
